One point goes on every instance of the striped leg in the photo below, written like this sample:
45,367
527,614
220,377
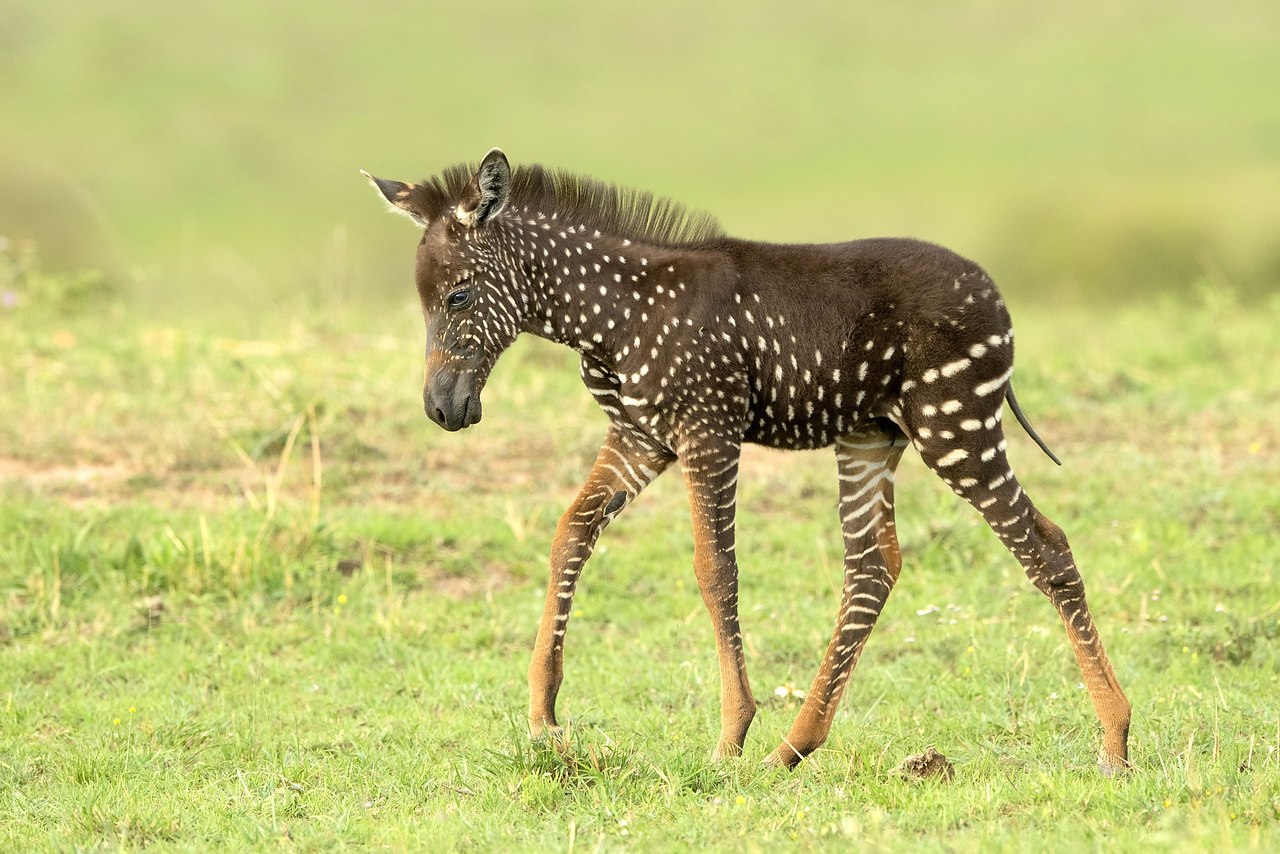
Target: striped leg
866,463
710,467
982,476
623,468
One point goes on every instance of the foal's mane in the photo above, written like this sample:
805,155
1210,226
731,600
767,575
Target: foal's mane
578,200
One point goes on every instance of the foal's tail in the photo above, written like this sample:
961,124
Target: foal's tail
1026,425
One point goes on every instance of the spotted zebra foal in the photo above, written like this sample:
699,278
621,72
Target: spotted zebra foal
692,343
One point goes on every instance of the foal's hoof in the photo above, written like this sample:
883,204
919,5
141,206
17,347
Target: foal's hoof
726,750
774,761
1114,767
556,736
1113,763
783,756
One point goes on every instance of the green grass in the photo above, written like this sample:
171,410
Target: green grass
250,598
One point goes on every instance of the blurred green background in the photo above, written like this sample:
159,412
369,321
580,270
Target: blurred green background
206,155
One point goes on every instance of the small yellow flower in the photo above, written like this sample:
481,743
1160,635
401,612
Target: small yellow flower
133,710
116,722
740,800
578,612
342,598
970,649
1167,803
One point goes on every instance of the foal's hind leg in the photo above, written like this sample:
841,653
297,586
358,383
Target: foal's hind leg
866,463
972,462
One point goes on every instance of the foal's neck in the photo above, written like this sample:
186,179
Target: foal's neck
605,296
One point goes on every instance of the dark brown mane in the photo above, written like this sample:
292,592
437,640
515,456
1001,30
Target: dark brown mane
578,200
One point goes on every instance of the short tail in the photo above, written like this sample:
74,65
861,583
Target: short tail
1026,425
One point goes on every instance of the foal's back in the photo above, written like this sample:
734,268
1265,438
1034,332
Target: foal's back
829,334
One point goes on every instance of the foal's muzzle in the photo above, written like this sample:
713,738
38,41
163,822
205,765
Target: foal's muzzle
452,400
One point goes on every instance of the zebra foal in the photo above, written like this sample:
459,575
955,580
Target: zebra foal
693,343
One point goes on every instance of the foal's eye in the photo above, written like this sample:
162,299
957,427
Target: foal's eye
459,299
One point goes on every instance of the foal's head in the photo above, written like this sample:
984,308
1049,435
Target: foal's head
472,310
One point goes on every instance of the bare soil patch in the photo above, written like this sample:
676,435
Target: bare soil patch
75,473
79,483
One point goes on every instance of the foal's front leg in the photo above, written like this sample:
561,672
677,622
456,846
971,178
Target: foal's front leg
624,467
710,466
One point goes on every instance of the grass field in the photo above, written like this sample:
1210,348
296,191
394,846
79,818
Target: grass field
250,598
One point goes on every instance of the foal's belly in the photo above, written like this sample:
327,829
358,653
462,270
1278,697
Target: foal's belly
807,424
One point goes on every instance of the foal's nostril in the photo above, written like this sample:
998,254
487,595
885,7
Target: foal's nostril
439,416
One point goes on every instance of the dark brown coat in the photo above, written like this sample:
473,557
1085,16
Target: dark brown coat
693,343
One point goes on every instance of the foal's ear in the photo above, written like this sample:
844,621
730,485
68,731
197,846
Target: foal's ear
400,198
487,191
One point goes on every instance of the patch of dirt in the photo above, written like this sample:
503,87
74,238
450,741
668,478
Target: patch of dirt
925,766
59,475
78,483
85,483
490,579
